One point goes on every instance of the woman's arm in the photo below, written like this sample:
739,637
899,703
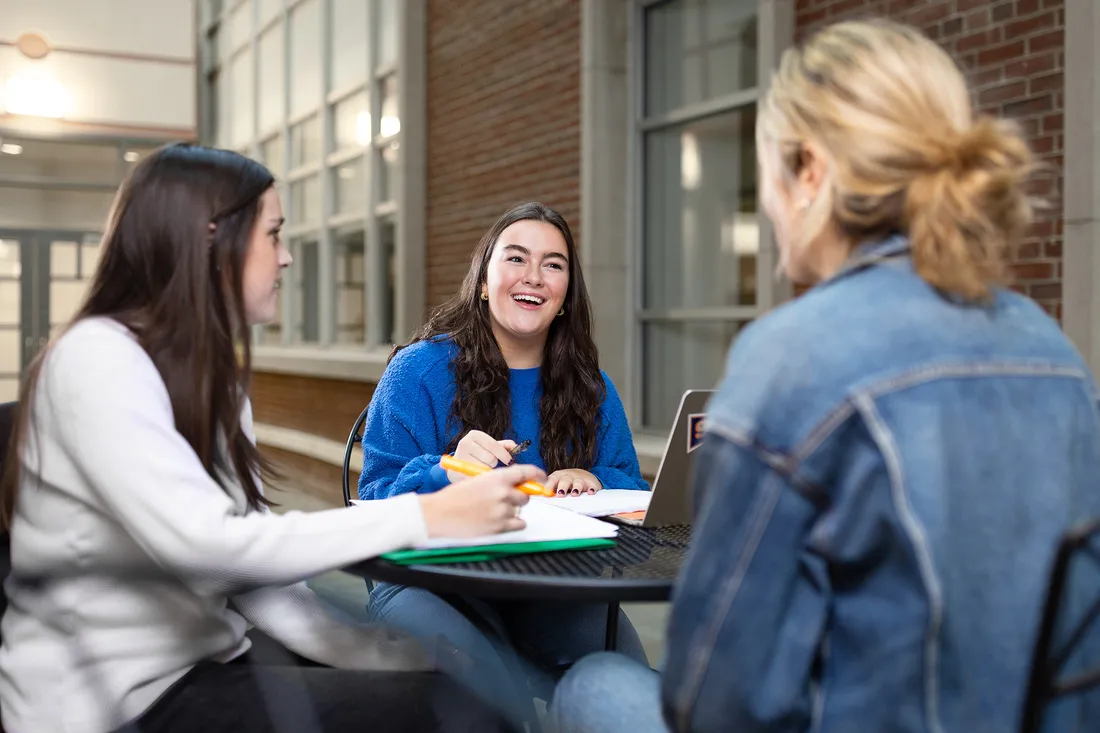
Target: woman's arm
750,605
616,460
400,454
103,401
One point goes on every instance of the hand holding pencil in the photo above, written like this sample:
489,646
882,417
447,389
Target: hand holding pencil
467,468
485,504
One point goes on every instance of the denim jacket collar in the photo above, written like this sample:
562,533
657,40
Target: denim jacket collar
871,253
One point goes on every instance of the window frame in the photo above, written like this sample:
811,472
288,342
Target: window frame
404,208
775,31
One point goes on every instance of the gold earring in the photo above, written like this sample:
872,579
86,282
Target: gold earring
484,295
562,311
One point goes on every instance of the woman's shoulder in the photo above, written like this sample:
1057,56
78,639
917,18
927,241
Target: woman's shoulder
422,359
94,343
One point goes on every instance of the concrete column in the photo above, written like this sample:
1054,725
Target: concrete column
605,132
1081,228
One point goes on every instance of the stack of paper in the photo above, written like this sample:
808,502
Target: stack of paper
548,528
602,503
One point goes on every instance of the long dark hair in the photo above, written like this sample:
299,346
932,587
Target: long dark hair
572,386
176,283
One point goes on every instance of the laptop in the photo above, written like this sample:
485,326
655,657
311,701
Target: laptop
670,503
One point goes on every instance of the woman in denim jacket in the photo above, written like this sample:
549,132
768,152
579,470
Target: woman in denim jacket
891,458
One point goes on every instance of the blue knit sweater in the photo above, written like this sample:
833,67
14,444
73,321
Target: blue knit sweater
407,427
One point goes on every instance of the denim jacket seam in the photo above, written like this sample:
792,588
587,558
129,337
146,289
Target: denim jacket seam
929,373
917,536
783,464
701,655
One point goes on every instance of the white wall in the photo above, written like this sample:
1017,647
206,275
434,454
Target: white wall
136,66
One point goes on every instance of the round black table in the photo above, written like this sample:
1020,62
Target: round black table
641,567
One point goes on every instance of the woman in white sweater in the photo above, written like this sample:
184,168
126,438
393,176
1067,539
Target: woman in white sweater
142,545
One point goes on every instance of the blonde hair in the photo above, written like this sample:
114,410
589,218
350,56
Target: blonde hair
892,112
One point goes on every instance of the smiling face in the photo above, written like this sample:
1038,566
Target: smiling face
264,262
526,281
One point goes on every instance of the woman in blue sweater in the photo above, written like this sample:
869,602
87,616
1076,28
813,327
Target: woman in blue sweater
509,359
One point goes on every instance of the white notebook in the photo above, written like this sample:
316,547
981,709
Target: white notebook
545,523
602,503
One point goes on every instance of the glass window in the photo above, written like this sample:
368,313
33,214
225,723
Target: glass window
387,33
700,213
698,50
307,311
305,142
224,96
269,10
387,184
351,122
244,102
305,57
240,25
678,356
351,275
390,124
348,50
272,153
272,73
305,200
699,234
350,186
387,231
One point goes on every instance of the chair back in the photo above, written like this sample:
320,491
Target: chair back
354,438
1064,690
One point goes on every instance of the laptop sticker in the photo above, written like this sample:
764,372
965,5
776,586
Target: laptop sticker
695,430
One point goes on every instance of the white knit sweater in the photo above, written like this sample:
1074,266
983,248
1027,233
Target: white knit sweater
149,553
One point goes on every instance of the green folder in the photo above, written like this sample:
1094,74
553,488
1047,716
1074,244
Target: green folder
484,553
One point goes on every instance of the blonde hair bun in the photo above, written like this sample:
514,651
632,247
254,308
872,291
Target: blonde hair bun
892,111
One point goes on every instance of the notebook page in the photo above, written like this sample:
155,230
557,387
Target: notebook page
545,523
602,503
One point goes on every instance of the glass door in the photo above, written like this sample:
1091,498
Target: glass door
43,278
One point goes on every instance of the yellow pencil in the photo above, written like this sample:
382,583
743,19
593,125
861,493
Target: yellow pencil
450,463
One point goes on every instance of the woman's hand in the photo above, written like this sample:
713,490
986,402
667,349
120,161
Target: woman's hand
485,504
479,447
573,482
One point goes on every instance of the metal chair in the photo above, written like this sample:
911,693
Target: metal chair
354,438
1066,662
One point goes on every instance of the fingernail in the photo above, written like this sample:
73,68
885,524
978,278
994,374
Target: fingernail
576,493
561,493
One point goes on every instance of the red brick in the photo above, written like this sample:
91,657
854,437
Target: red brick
1043,145
1023,7
1033,270
1028,26
1004,92
1053,249
977,18
1001,54
1029,106
1045,291
964,5
927,14
1049,83
1046,41
840,7
1002,11
974,41
1030,66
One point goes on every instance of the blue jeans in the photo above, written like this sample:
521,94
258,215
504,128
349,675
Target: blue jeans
527,642
608,693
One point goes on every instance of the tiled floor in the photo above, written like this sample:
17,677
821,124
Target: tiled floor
349,593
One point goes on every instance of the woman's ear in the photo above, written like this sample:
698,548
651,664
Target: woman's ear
812,172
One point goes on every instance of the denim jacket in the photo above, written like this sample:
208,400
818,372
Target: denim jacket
883,482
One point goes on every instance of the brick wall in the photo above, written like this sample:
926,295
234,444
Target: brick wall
1013,55
325,407
503,121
